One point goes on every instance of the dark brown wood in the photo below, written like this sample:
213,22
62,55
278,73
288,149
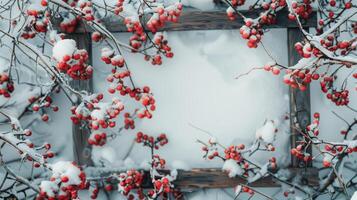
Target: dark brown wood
299,100
81,149
216,178
194,19
208,178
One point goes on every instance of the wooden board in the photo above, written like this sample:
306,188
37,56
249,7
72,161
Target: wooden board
193,19
81,148
299,100
209,178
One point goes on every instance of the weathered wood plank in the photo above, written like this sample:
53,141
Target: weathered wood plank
206,178
194,19
299,100
81,149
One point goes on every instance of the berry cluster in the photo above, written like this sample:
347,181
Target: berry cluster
252,32
300,78
69,23
300,153
271,67
340,98
305,50
97,37
163,47
302,8
162,186
74,62
97,138
44,102
96,113
118,7
149,141
108,57
129,181
158,162
134,26
233,152
87,8
162,15
38,22
332,44
66,180
6,85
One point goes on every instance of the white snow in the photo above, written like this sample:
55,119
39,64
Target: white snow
354,196
66,168
49,187
62,48
232,168
198,87
267,132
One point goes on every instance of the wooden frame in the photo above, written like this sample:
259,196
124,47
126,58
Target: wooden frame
193,19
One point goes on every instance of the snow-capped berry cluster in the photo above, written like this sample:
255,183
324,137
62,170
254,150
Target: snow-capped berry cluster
96,113
6,85
300,78
162,187
97,138
108,57
45,102
69,23
162,15
67,178
339,97
139,36
97,37
150,141
87,8
251,31
158,162
72,60
302,8
38,21
332,44
163,47
131,180
306,50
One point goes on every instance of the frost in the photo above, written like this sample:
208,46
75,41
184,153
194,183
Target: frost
232,168
63,47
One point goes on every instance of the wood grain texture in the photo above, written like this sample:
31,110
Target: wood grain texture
300,110
209,178
81,148
194,19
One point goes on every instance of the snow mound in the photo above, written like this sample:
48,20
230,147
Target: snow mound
232,168
62,48
267,132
